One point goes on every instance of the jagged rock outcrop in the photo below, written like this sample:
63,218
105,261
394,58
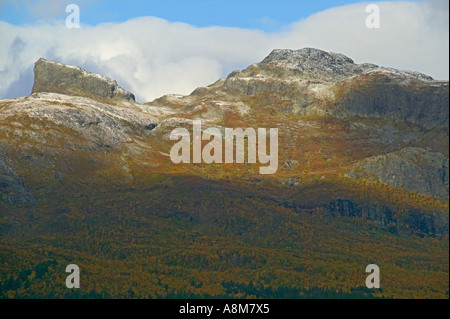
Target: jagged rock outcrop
51,76
12,188
413,169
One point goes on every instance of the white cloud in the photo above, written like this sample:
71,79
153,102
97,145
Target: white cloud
413,35
151,57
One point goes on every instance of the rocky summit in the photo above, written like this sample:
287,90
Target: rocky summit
363,153
311,81
51,76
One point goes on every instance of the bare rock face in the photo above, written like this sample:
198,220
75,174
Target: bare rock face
392,94
413,222
412,168
12,189
54,77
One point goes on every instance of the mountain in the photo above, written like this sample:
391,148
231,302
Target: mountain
363,153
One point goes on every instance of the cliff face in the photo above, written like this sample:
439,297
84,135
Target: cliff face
413,169
390,94
54,77
412,222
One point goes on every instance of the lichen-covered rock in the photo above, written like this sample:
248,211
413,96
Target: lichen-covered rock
54,77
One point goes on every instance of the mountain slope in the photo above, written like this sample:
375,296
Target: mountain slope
362,178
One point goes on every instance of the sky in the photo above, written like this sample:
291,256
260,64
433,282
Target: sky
158,47
266,15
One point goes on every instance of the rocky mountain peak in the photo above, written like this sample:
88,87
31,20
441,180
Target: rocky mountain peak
308,54
54,77
316,65
310,63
